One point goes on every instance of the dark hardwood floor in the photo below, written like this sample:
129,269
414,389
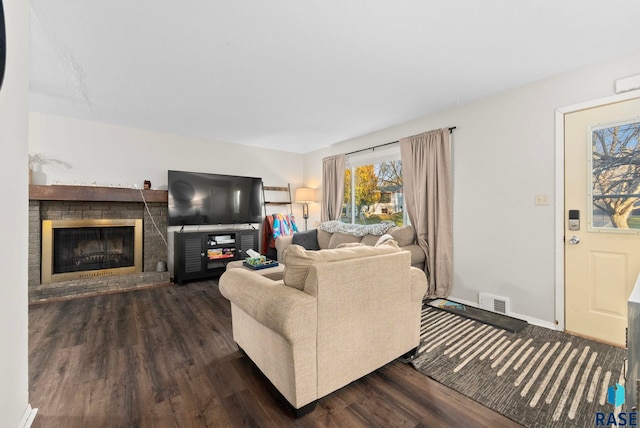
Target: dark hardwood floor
165,357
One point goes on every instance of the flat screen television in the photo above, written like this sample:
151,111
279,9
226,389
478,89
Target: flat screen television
197,198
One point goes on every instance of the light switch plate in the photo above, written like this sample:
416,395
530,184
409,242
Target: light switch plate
542,199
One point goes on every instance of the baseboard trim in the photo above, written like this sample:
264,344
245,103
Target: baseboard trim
27,417
530,320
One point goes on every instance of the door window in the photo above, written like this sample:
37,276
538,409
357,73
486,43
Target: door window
614,190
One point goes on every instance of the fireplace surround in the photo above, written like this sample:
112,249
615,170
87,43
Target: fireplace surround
89,203
80,249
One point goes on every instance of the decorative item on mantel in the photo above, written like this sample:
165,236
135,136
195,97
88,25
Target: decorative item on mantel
147,185
36,174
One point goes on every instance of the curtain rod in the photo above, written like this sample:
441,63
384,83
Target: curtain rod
387,144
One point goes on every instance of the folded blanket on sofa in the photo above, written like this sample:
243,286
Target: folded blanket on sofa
334,226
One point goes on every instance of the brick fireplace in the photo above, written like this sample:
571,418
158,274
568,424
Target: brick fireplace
77,208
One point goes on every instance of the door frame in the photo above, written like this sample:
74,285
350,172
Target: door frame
559,193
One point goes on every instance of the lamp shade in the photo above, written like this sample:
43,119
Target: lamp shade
305,195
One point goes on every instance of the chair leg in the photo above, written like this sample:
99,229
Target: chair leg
306,409
297,413
241,350
408,356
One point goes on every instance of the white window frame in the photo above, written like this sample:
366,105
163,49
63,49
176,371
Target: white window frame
387,153
590,195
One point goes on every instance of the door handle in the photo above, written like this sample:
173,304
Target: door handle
574,240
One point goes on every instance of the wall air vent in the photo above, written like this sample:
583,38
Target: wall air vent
493,303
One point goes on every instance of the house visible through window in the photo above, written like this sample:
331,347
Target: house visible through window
373,188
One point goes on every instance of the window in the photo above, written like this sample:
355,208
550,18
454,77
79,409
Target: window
615,178
373,188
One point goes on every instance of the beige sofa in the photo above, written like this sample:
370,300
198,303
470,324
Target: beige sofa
336,316
404,236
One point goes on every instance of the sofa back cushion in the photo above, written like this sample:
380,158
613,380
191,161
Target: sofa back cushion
404,235
342,238
297,260
370,240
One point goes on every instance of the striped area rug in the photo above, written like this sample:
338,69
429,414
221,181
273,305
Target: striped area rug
538,377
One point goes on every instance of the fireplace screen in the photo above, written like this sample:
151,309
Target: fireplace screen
75,249
89,248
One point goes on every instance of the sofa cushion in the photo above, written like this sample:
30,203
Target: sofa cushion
307,239
350,244
417,255
342,238
370,239
405,235
323,239
297,259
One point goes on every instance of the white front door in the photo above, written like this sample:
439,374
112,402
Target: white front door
602,218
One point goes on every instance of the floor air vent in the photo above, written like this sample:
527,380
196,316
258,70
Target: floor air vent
494,303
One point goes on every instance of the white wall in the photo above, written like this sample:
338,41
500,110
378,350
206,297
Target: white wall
112,155
503,155
14,97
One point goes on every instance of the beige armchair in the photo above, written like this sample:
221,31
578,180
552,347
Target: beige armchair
336,316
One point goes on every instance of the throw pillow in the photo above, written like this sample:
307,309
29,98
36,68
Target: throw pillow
297,260
340,238
323,238
370,240
383,239
405,235
308,239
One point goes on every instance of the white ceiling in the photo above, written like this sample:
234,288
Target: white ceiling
300,75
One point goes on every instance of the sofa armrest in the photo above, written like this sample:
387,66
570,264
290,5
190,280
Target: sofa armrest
282,242
419,284
287,311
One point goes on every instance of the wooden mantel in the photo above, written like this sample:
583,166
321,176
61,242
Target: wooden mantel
93,193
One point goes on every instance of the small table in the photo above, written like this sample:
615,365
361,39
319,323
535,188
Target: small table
275,273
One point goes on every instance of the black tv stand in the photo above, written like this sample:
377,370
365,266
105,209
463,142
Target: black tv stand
199,255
